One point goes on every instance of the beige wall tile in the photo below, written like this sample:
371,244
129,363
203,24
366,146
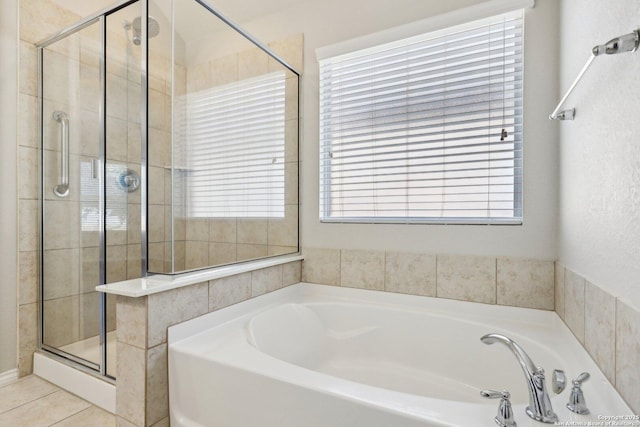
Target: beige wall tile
134,266
133,223
250,251
156,257
117,97
28,225
223,70
467,278
321,266
291,134
172,307
252,231
28,337
291,183
198,77
64,218
88,319
291,273
131,374
29,176
28,69
62,321
28,276
251,63
281,250
574,303
28,121
229,290
131,321
156,223
559,289
197,229
266,280
90,264
116,263
157,403
156,185
133,110
362,269
410,273
222,253
291,103
196,254
600,328
291,49
117,138
525,283
222,230
284,231
628,354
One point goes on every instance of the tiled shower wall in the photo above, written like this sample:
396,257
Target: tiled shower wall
214,241
607,327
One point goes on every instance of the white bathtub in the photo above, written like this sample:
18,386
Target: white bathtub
311,356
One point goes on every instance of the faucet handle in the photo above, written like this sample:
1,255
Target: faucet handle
577,402
558,381
505,412
581,378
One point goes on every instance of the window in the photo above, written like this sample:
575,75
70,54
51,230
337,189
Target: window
235,150
425,129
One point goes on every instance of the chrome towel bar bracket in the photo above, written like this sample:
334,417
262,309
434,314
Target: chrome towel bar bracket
626,43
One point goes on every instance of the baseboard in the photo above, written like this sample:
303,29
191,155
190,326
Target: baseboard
86,386
8,377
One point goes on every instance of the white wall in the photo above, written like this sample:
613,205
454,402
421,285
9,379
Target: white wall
599,225
8,157
332,21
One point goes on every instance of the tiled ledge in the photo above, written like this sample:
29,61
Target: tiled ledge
161,282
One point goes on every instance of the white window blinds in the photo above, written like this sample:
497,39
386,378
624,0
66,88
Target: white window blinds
235,149
426,129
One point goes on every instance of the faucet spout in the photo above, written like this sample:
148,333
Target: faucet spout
539,402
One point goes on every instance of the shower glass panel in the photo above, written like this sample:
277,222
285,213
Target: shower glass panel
71,160
223,144
91,199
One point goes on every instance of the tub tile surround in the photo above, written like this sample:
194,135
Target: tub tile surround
608,327
491,280
142,393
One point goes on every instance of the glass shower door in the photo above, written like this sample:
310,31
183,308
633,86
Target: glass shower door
72,192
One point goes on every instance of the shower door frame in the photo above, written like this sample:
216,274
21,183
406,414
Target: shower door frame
99,18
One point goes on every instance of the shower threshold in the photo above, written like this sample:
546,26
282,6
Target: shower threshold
79,380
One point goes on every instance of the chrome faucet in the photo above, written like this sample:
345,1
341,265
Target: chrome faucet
539,403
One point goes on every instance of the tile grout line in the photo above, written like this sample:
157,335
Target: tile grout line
30,401
72,415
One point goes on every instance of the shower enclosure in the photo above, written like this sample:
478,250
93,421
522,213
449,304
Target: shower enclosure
169,143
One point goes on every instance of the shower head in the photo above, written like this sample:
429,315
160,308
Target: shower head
627,43
153,28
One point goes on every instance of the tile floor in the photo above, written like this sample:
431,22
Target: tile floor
34,402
